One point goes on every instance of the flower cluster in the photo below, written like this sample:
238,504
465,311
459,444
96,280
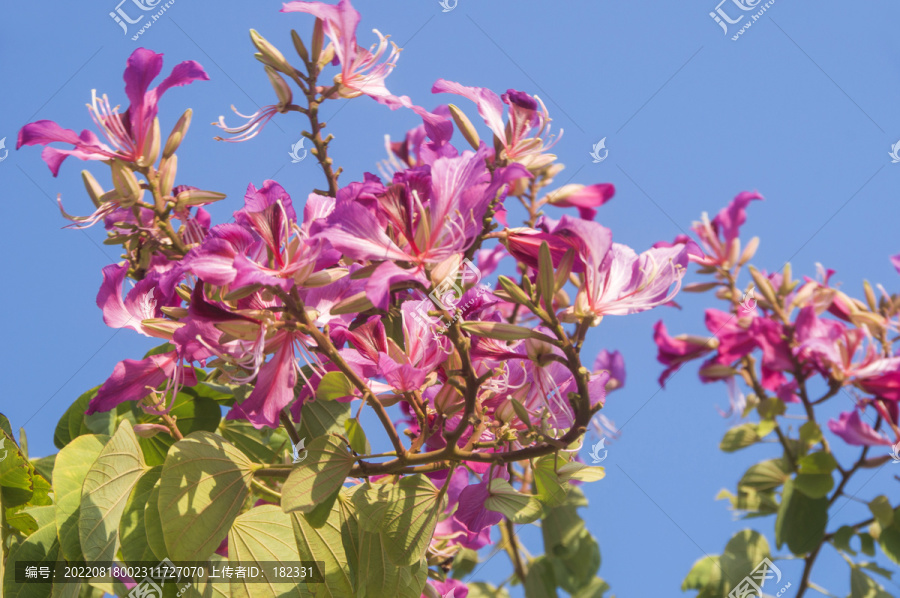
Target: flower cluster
341,300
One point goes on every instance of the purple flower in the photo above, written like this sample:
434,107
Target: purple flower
126,134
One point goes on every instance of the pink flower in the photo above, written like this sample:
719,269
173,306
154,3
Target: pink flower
526,137
133,380
613,363
852,430
126,134
718,237
586,199
362,71
674,351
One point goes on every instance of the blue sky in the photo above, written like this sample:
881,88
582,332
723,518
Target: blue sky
802,107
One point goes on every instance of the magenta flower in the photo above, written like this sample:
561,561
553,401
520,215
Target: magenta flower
133,380
718,237
126,134
674,351
852,430
613,363
585,198
362,71
526,137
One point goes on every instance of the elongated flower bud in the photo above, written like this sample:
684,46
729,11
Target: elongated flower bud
275,58
465,126
177,135
282,90
126,183
93,188
167,171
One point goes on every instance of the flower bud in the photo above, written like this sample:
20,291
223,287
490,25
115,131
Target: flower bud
150,151
167,170
282,90
446,268
699,287
514,291
93,188
126,183
870,296
765,287
299,46
196,197
734,251
273,56
501,331
318,40
749,251
177,135
465,126
149,430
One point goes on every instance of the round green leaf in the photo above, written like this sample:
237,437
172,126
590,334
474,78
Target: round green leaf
321,473
515,506
105,491
334,385
739,437
42,547
132,531
264,534
410,519
814,485
72,465
800,521
204,484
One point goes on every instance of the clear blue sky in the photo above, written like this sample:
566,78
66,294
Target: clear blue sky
803,108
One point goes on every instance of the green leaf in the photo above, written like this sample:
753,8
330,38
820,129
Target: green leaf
16,473
551,490
333,386
105,491
329,546
153,524
321,418
743,553
192,413
595,589
539,582
464,563
44,466
863,586
882,510
357,437
71,424
706,572
132,531
867,543
739,437
42,547
765,475
263,446
515,506
819,462
562,528
410,519
890,543
313,480
263,534
72,466
801,520
581,472
371,500
814,485
810,434
842,537
578,570
320,514
377,577
204,484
